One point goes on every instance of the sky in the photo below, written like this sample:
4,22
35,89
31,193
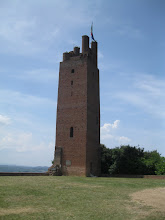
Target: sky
131,60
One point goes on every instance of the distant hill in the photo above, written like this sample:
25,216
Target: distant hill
26,169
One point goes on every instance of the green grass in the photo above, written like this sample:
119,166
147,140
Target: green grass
50,197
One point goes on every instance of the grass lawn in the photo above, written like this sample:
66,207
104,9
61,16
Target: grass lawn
50,197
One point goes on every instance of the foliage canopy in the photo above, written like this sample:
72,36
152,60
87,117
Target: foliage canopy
131,160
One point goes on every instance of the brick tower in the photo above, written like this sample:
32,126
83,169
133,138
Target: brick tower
78,113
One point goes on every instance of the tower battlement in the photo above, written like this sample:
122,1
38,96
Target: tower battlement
86,51
78,113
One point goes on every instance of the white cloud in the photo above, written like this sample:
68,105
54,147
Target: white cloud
123,140
35,26
16,36
19,99
115,138
23,142
107,126
17,141
27,113
23,30
105,136
115,124
150,84
108,136
30,115
4,120
38,75
147,93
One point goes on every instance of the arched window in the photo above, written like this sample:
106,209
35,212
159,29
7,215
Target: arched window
71,132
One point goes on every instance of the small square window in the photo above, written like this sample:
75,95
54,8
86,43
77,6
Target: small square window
72,71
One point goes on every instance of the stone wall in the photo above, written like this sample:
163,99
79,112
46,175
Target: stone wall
23,174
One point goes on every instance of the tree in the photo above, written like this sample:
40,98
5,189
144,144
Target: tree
160,167
127,160
106,159
131,160
150,160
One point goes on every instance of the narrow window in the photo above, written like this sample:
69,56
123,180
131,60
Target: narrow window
71,83
71,93
72,71
71,132
93,74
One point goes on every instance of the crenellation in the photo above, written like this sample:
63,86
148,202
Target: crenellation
66,56
91,53
76,51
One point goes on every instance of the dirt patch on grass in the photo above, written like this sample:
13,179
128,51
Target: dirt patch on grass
152,198
4,212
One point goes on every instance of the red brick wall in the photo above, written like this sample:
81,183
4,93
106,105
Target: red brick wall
78,106
72,112
93,120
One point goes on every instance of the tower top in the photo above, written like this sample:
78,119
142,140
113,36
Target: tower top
86,50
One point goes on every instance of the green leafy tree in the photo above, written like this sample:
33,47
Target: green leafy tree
150,160
131,160
106,159
122,160
160,167
127,160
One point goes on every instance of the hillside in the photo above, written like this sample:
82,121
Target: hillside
14,168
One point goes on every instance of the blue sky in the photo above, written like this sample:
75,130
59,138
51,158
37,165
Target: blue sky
131,54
